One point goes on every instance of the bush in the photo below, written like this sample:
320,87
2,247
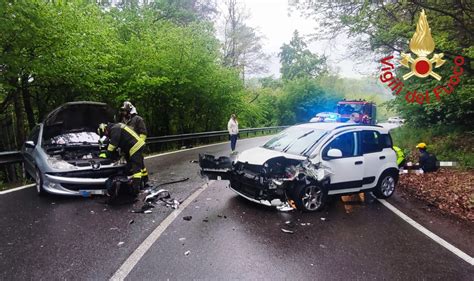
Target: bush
447,143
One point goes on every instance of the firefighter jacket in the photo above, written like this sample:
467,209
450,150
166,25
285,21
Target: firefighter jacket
122,136
138,125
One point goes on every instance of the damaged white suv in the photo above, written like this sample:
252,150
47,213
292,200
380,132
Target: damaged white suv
308,162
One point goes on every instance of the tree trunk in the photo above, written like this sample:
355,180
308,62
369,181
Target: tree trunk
19,116
27,102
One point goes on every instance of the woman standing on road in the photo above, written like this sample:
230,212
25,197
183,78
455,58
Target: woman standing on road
233,128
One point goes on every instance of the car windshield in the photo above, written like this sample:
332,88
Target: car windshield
76,138
295,140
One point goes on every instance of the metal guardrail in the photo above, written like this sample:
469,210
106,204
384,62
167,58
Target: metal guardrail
12,157
195,136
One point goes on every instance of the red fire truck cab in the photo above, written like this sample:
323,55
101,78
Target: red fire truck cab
366,110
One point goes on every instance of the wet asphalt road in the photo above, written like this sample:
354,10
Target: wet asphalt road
56,237
232,238
228,237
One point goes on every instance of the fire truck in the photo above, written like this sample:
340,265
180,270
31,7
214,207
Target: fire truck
367,111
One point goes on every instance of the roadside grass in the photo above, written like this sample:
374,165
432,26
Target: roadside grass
450,189
447,143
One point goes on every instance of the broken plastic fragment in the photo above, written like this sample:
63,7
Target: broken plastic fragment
187,218
285,207
287,231
131,221
147,212
157,195
182,239
187,253
120,243
323,219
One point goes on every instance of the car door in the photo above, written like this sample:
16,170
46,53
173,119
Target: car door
372,145
29,152
348,170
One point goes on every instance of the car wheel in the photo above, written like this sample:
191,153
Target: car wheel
310,198
386,185
39,183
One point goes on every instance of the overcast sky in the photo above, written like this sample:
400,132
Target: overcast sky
272,19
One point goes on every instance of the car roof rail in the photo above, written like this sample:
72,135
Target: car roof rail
357,125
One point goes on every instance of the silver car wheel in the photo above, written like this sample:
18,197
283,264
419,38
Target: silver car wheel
312,198
388,186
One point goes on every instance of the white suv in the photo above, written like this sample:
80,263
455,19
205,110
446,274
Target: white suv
306,163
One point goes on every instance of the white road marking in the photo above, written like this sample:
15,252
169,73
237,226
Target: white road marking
147,157
135,257
16,188
428,233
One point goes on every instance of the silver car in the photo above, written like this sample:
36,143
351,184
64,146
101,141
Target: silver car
61,153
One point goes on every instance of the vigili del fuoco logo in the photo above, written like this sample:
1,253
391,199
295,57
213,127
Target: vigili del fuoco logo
422,66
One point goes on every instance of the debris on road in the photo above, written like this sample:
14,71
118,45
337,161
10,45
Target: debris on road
290,224
322,246
285,207
120,243
193,161
147,212
114,228
205,220
287,231
188,218
323,219
182,239
132,221
187,253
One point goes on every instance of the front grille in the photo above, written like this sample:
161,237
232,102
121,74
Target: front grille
248,186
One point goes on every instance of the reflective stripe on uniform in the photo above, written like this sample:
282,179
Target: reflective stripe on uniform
137,175
143,137
136,147
144,172
130,131
111,147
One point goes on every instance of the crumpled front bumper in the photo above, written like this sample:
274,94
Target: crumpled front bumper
80,182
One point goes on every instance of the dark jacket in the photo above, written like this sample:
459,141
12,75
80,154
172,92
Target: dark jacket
124,137
428,162
138,125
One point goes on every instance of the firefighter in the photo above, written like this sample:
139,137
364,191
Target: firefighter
123,137
426,161
400,156
131,118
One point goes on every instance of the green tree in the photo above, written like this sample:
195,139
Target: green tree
299,62
386,27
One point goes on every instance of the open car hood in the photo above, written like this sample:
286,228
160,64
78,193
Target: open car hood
82,116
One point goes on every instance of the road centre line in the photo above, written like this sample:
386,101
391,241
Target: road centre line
135,257
147,157
428,233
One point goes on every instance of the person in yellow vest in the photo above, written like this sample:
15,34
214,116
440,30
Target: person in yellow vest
123,137
400,156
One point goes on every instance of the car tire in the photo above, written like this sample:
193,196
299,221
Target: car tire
39,183
310,198
386,185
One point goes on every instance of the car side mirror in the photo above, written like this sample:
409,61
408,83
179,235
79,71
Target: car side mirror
30,144
334,153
